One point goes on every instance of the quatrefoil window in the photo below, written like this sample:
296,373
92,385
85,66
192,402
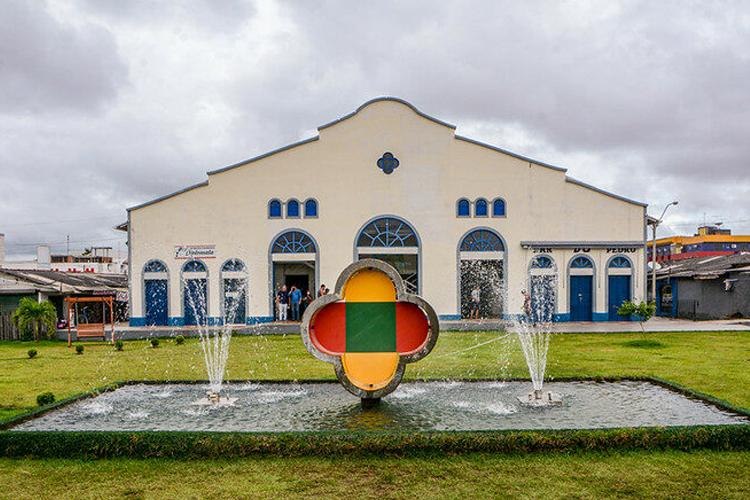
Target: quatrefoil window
388,163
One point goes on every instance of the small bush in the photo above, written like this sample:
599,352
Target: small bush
179,340
79,349
32,353
45,398
119,345
154,343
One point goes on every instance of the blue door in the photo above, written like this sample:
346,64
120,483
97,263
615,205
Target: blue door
581,305
156,302
234,301
195,302
619,292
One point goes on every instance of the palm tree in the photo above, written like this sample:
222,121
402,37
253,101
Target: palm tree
31,313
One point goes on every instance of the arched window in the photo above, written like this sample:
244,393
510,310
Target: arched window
482,240
581,262
542,262
233,265
619,263
293,242
194,266
498,207
292,208
463,208
480,208
154,266
387,232
274,209
311,208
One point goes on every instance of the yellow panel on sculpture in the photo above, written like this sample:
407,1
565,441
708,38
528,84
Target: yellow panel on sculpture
370,371
369,285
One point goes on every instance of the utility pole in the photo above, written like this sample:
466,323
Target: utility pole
653,250
67,246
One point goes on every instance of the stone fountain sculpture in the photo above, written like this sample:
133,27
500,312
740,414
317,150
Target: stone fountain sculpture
369,328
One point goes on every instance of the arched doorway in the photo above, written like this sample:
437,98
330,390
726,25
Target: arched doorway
542,289
234,292
195,292
392,240
581,276
481,257
156,293
619,285
293,262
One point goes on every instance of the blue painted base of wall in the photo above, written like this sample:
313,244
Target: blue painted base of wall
254,320
449,317
600,316
176,321
137,321
561,318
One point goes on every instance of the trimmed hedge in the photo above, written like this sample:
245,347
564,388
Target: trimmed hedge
181,444
171,444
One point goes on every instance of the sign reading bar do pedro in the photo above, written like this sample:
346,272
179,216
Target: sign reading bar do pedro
195,251
369,328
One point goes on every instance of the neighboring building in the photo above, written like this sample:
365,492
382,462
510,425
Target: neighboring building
96,260
389,182
708,241
16,284
716,287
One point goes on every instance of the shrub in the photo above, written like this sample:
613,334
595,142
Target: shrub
119,345
179,340
32,353
79,349
642,311
154,343
45,398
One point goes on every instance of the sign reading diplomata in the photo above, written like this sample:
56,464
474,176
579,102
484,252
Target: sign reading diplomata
369,328
195,251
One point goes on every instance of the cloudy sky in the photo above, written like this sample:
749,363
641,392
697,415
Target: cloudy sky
108,103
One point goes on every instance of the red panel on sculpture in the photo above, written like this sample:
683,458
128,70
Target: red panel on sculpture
328,329
411,327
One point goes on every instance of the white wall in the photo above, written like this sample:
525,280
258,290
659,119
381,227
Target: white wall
339,170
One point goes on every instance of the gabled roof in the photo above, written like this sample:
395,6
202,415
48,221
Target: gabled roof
709,267
66,282
418,112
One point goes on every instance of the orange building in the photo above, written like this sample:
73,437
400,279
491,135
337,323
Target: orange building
708,241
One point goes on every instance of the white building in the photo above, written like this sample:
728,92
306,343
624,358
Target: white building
391,182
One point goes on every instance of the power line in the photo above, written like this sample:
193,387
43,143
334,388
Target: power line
64,242
61,221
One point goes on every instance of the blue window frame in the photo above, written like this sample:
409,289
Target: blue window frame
387,232
482,240
311,208
463,208
154,266
498,207
233,265
292,208
581,262
620,263
293,242
480,208
194,266
542,262
274,209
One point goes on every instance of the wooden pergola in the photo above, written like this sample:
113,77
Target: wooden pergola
91,330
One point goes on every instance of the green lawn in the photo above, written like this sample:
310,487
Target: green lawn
714,363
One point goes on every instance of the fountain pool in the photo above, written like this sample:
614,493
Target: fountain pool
415,406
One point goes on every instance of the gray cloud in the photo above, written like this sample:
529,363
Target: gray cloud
648,99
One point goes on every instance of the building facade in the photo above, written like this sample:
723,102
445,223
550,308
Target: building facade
387,181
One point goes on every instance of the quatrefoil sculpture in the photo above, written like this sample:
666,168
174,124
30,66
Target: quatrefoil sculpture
369,328
388,163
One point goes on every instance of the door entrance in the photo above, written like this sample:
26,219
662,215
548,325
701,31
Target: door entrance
581,298
487,275
156,302
195,301
619,292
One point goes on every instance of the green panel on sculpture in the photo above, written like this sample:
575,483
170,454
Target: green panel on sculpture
371,327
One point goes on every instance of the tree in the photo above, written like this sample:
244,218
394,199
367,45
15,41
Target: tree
643,311
33,314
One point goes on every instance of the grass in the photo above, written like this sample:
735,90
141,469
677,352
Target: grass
591,475
716,363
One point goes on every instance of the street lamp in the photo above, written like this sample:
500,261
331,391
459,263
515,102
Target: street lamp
653,250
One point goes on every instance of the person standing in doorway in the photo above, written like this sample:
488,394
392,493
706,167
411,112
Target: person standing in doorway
526,304
295,296
322,290
306,301
282,301
476,300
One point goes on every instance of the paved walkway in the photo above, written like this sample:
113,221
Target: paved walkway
289,328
